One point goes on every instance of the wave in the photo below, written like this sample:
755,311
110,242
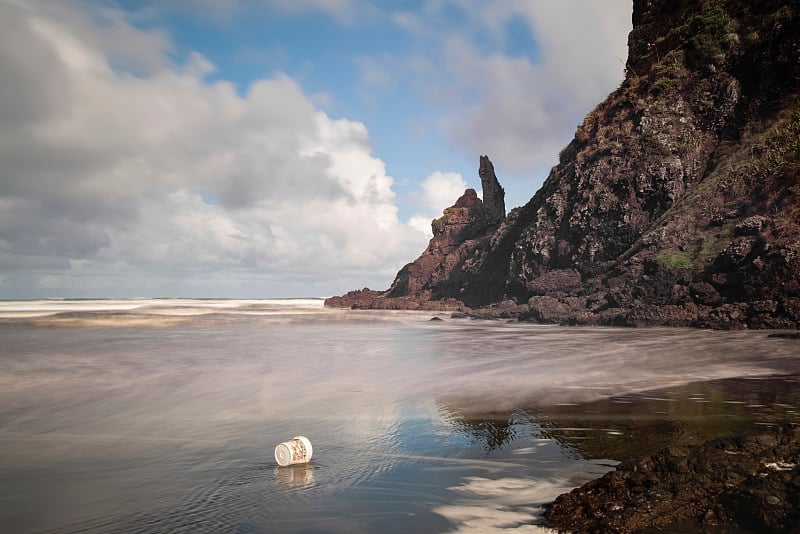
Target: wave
70,309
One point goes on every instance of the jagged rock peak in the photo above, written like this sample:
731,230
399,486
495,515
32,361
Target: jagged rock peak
494,202
468,199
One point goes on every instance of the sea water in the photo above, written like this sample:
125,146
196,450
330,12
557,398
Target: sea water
162,415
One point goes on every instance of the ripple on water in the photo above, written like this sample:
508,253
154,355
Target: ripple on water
415,427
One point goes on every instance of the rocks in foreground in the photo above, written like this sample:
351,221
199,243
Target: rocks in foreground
750,482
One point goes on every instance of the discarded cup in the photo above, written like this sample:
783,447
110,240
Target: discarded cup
298,450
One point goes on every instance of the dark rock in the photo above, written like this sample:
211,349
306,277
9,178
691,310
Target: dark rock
750,481
560,281
353,299
546,309
436,319
751,226
704,293
367,299
493,195
786,335
790,307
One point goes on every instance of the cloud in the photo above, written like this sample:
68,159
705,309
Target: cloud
519,125
115,172
422,224
127,164
438,191
519,107
442,189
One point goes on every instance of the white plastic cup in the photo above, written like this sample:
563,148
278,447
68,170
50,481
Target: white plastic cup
298,450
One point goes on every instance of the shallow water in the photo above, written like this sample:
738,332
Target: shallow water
162,415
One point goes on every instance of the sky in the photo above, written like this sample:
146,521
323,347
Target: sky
273,148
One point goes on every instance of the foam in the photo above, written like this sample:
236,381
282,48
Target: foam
165,306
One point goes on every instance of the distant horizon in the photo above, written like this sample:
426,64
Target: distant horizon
162,298
264,148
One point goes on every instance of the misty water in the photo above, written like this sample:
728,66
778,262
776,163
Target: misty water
162,415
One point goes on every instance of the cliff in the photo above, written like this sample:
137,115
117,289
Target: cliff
677,202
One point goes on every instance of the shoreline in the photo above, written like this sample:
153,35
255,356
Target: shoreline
756,315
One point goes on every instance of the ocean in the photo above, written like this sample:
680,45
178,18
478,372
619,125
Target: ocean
162,415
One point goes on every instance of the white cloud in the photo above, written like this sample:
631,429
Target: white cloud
442,189
112,176
422,224
519,108
438,191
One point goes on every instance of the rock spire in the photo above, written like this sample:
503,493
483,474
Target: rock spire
494,203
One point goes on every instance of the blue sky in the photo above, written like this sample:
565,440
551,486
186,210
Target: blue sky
256,148
332,54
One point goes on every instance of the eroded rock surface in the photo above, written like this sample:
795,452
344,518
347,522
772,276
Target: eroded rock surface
751,482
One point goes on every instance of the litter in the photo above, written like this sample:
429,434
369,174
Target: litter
298,450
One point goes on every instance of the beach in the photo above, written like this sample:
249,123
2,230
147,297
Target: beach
161,415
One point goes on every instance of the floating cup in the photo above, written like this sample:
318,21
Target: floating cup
298,450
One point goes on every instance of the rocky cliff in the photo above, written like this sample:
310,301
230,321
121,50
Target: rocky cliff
677,202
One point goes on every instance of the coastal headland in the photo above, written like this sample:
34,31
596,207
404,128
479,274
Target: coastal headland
677,203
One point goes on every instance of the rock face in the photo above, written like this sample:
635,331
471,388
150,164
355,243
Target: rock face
750,482
459,231
677,202
460,224
494,203
463,228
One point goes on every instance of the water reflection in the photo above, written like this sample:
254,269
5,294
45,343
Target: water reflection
491,431
299,476
632,425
